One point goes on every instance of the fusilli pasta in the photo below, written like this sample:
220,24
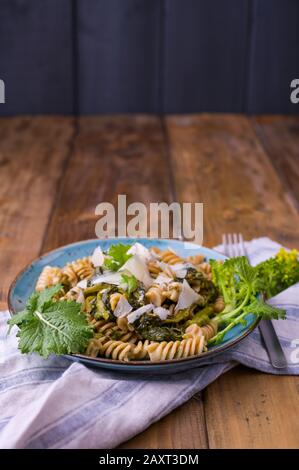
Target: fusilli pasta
196,259
83,268
75,293
155,295
219,305
139,351
176,349
49,276
114,299
169,289
170,257
116,350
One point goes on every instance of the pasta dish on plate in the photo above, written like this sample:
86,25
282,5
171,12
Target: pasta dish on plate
134,303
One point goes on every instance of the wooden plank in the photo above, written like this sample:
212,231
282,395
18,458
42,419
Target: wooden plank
32,156
218,160
112,155
120,155
279,136
248,409
184,428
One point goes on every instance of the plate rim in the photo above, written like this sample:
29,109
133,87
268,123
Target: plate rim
99,360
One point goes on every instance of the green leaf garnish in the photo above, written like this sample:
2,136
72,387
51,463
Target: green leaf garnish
266,311
129,283
239,283
117,256
51,327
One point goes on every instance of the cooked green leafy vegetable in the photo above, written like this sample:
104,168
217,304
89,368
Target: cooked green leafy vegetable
199,282
117,256
50,327
103,306
151,327
202,316
181,315
137,297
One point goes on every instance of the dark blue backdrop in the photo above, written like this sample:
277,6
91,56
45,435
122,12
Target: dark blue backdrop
160,56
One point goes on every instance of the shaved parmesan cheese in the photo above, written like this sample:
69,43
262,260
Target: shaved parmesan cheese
82,284
141,251
123,308
136,266
187,297
179,269
109,278
97,258
161,312
140,311
162,279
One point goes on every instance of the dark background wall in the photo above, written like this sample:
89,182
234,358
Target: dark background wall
160,56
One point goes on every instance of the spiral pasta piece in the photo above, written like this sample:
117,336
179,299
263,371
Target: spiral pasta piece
210,329
170,257
122,323
129,337
94,346
49,276
219,304
117,350
93,322
83,268
176,349
167,271
196,259
139,351
154,268
111,330
155,251
155,295
108,328
172,291
75,293
114,299
192,331
206,269
70,275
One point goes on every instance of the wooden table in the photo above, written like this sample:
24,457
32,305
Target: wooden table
55,170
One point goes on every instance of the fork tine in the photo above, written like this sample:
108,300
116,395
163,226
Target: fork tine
242,244
236,244
230,246
224,243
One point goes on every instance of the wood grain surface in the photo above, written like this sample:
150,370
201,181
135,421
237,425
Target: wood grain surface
32,157
53,173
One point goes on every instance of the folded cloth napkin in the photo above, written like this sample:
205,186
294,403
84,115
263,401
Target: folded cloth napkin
56,403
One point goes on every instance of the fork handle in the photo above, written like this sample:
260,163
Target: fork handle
274,349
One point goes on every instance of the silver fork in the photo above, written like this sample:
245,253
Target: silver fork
233,245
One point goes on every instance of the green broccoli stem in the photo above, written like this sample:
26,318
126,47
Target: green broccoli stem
219,336
227,316
226,295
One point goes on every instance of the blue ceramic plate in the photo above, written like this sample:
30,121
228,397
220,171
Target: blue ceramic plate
24,284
